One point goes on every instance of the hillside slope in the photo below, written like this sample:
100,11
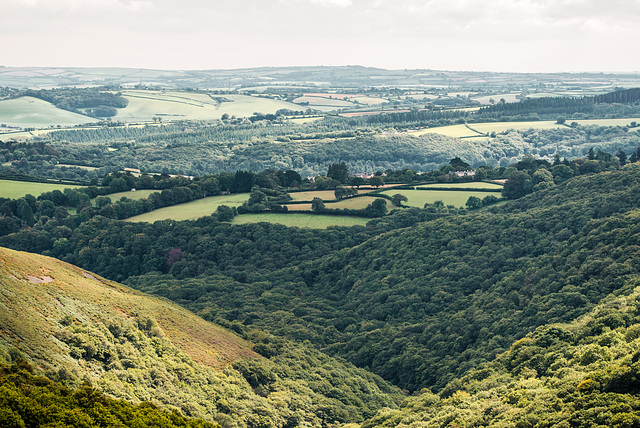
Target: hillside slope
77,327
42,294
35,401
423,305
581,374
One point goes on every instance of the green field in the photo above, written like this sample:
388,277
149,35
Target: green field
369,100
471,185
138,194
310,119
544,95
17,189
145,105
191,210
350,203
312,221
606,122
450,131
417,198
323,102
29,112
510,98
325,195
498,127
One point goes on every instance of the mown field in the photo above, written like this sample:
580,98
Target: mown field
191,210
17,189
312,221
29,112
417,198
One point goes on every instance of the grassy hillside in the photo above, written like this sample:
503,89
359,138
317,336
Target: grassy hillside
46,292
17,189
29,112
76,327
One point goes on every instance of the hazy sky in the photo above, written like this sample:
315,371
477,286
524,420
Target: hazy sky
494,35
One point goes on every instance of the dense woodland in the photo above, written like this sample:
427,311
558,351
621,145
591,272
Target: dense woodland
29,400
580,374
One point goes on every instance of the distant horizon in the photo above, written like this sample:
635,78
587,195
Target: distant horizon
515,36
613,72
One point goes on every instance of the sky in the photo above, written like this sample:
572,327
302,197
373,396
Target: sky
473,35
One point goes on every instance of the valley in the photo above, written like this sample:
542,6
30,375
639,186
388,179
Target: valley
296,248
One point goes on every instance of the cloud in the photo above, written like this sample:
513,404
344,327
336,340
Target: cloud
338,3
475,13
75,6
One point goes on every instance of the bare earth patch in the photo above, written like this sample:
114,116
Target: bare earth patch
43,280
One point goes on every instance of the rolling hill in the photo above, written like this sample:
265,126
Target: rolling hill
45,294
77,327
29,112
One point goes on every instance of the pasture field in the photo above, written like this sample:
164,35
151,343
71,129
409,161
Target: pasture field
349,203
264,88
369,100
417,198
328,95
498,127
312,221
370,112
544,95
450,131
145,105
426,97
137,195
606,122
462,94
471,185
310,119
323,102
29,112
325,195
191,210
17,189
486,100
